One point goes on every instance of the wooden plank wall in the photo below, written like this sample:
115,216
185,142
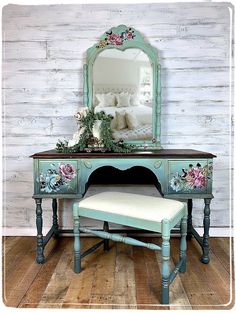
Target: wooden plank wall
44,50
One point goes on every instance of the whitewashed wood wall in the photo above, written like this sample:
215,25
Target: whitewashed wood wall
44,50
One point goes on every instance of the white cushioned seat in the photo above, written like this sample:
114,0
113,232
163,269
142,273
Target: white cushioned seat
133,205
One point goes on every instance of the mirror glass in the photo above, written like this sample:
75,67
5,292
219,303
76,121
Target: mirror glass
123,88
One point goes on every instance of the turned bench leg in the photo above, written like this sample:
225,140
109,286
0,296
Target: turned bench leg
183,244
77,254
165,262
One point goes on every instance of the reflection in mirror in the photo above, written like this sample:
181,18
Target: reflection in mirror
123,88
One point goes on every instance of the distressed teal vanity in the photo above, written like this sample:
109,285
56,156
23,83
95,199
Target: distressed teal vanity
122,79
182,174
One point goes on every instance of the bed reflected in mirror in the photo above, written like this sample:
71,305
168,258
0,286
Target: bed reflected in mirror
123,88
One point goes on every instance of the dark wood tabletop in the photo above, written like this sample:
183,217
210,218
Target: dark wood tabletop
157,153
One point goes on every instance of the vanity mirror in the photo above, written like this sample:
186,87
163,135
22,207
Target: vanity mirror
122,78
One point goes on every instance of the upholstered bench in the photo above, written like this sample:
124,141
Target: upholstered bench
139,211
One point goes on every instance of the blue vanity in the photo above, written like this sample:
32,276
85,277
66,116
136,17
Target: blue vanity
182,174
122,79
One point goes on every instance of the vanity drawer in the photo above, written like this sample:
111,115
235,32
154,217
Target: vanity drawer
189,176
56,176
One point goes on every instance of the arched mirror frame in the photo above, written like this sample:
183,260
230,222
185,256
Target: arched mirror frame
134,41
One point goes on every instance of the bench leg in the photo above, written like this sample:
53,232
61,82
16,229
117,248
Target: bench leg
183,243
77,254
165,262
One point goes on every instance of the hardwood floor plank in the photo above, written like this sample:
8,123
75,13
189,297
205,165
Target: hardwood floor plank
16,278
55,292
219,280
79,291
24,276
8,243
221,248
103,283
210,279
43,277
124,281
13,257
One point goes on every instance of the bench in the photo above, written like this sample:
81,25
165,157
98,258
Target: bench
139,211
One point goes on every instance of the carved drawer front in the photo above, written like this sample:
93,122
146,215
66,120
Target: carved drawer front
189,176
57,177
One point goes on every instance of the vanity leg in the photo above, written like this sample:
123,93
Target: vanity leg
189,221
39,224
106,241
54,218
206,223
77,254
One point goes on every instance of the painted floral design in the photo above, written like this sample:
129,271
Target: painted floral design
116,39
191,179
56,177
67,171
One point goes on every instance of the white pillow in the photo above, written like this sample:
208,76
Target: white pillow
123,100
134,100
113,123
131,120
120,120
106,100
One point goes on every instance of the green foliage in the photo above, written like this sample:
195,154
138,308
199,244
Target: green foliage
87,141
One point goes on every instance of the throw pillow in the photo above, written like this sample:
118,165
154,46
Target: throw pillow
131,120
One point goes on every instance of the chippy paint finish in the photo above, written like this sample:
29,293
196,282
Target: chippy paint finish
123,37
164,227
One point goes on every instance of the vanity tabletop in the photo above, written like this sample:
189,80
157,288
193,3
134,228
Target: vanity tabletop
154,153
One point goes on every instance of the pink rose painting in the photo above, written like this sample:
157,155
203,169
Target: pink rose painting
57,178
116,39
192,179
67,171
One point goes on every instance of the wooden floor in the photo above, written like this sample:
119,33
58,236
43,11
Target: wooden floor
125,277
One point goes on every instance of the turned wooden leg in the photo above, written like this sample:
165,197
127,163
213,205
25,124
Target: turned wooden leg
190,208
183,243
39,224
106,241
165,262
77,254
54,217
206,223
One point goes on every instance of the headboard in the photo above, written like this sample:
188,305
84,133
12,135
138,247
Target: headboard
116,89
